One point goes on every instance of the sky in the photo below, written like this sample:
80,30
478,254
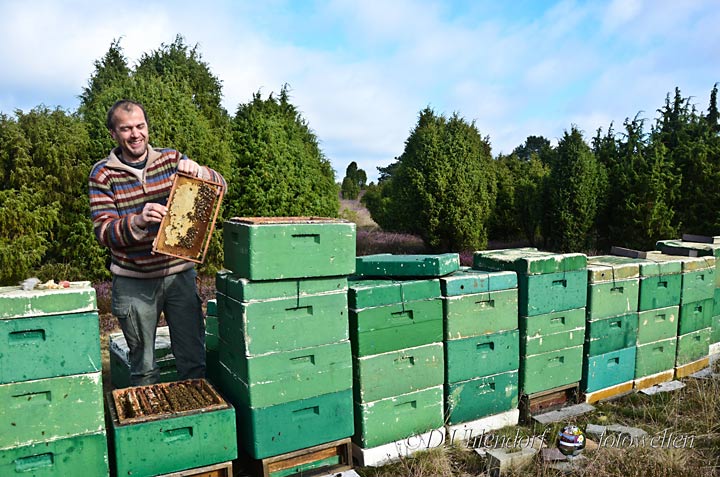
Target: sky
360,72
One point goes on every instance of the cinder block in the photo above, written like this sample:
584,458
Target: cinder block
502,461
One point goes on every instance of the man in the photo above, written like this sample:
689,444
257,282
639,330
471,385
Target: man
128,197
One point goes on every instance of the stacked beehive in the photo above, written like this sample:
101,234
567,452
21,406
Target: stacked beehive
611,328
120,358
212,357
482,350
658,311
284,352
697,291
710,247
396,329
552,292
50,383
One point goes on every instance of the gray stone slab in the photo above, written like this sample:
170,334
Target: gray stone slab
552,454
564,414
571,465
634,432
594,430
501,460
663,388
347,473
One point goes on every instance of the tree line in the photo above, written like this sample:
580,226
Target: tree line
628,188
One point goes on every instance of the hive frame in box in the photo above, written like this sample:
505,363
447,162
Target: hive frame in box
200,240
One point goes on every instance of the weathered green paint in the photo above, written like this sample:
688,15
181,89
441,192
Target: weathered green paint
609,268
176,443
716,302
52,408
120,371
400,266
528,261
483,355
280,325
695,316
212,332
545,371
608,369
304,469
373,293
698,285
659,291
398,372
480,397
394,418
242,289
319,248
395,327
275,430
693,346
81,455
18,303
212,307
657,324
551,292
552,331
48,346
715,330
692,249
480,313
649,268
611,334
653,358
285,376
469,282
612,298
212,367
687,264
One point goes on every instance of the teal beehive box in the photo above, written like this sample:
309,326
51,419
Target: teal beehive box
401,266
698,275
692,346
608,369
611,334
552,331
398,372
660,282
372,293
242,289
655,357
484,355
15,302
613,288
467,281
483,396
276,248
695,316
544,371
657,324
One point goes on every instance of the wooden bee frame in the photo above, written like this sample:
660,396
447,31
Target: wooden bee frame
186,229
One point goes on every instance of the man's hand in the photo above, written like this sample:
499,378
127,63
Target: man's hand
189,167
152,212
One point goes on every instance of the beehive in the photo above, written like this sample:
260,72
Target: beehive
403,266
119,353
481,396
611,334
609,369
483,355
613,287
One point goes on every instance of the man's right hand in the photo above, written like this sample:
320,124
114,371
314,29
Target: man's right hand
151,213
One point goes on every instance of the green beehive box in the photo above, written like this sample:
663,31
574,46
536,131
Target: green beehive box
480,397
551,292
212,333
613,288
373,293
698,275
483,355
281,325
154,443
51,408
394,327
542,372
469,282
611,334
83,454
275,430
695,316
528,261
608,369
15,302
653,358
693,346
276,248
398,372
691,249
285,376
119,354
657,324
212,307
399,417
480,313
660,282
552,331
403,266
48,346
242,289
715,330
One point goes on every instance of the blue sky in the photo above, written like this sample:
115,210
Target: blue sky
361,71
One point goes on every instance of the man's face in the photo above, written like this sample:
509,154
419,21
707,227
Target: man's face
131,133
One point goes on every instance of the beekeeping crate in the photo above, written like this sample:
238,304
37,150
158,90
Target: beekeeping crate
169,427
552,331
695,316
276,248
398,372
242,289
481,355
698,275
693,346
186,229
47,346
611,334
15,302
613,288
656,357
545,371
120,358
479,397
369,293
387,265
657,324
608,369
467,281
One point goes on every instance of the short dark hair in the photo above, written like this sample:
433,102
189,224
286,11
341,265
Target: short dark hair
125,104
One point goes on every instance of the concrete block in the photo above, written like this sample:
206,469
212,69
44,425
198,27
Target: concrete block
501,461
633,432
594,430
663,387
564,414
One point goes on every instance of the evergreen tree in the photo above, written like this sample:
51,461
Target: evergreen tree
353,182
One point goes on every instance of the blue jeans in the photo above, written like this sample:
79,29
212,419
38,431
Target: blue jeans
138,302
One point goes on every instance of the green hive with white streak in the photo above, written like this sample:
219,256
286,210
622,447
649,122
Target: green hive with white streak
50,382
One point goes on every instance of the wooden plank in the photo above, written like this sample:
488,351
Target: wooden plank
223,469
340,448
548,400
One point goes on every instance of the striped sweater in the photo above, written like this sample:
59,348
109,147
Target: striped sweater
119,192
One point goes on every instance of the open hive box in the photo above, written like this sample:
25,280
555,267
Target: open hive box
186,229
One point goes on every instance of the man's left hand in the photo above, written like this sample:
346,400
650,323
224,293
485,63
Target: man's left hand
189,167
